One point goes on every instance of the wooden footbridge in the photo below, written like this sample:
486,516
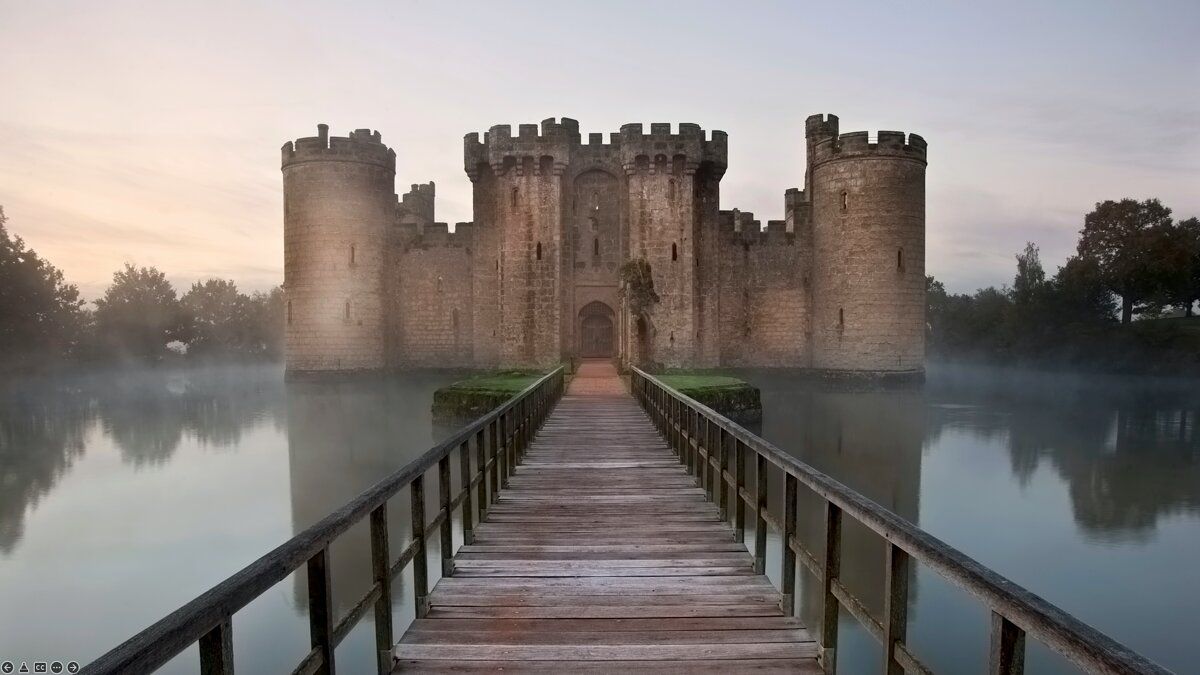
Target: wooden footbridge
610,528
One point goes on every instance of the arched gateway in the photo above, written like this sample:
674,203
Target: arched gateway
597,332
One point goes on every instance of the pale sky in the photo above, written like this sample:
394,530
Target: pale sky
149,132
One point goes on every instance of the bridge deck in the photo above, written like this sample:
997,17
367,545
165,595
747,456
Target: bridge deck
603,555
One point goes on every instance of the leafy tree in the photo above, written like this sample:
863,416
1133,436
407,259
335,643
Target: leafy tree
1079,293
1187,290
1031,278
220,317
139,314
267,312
1127,239
40,317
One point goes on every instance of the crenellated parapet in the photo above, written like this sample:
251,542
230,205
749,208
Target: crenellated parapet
437,235
742,228
661,151
826,144
362,145
532,151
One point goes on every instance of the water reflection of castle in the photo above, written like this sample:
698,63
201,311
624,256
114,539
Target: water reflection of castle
344,437
871,441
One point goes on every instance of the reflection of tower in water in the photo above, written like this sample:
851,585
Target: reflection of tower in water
344,437
872,442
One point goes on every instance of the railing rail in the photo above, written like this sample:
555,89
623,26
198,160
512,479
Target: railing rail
501,435
704,441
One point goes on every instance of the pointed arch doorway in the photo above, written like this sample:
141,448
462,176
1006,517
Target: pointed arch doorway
597,331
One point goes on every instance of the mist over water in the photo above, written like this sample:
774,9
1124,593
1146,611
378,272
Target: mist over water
125,496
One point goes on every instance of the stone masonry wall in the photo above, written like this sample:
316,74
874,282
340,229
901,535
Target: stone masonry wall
434,299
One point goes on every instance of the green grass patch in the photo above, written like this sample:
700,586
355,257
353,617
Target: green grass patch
475,396
731,396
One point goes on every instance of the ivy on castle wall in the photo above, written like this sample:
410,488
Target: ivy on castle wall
637,286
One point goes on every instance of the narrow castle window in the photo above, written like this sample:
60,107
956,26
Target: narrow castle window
513,198
845,201
596,246
674,252
899,260
439,284
841,318
346,316
671,189
289,312
351,254
539,250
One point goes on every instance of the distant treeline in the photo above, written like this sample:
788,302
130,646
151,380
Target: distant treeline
45,324
1123,303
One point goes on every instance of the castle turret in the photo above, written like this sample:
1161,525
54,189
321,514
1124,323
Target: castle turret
868,234
338,200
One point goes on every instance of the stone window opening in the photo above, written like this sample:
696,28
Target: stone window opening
899,260
512,199
674,252
352,254
845,201
841,318
539,250
671,189
289,312
596,246
346,312
439,284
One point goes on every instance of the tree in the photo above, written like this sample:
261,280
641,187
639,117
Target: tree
1187,291
267,319
221,318
40,317
1031,278
139,314
1124,238
1079,294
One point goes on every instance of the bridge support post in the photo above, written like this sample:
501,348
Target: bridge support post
380,569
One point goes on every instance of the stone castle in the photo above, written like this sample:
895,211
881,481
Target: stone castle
373,282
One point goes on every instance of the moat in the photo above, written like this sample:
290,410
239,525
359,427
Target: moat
160,485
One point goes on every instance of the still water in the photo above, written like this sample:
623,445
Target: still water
121,498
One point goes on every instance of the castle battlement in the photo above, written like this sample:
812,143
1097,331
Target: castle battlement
436,235
858,144
362,145
741,227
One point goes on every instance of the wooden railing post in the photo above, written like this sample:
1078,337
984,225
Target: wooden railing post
468,508
381,571
502,463
830,570
788,534
494,472
760,523
481,473
895,607
216,649
446,529
739,504
420,559
722,445
710,448
1008,647
320,610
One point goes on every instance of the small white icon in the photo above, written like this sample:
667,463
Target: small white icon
56,667
6,667
39,667
24,668
72,666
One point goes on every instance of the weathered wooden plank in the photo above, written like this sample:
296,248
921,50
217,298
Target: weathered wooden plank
433,636
594,652
802,666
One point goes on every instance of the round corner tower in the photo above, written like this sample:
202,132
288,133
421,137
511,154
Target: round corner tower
868,215
338,200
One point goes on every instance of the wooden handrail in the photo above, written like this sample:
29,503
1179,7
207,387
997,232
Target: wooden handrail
207,619
1015,610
